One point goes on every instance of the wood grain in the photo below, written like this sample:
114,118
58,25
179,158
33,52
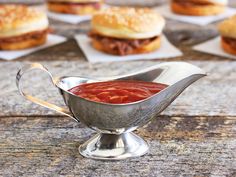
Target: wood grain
179,146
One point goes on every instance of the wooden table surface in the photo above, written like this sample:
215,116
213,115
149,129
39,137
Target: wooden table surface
195,136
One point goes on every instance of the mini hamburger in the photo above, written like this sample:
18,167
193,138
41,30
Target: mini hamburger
125,31
198,7
227,30
22,27
79,7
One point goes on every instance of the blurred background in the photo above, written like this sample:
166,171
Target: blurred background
113,2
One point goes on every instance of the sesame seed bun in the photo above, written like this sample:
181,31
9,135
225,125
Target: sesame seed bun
194,8
79,7
22,27
19,19
128,23
227,28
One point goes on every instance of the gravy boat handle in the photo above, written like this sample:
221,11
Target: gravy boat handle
33,99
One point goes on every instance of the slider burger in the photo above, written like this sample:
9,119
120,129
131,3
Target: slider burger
198,7
227,30
125,31
21,27
79,7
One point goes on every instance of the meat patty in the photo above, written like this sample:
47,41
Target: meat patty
230,41
192,3
30,35
121,46
96,5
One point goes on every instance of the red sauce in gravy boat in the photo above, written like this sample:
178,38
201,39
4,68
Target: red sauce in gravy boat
117,92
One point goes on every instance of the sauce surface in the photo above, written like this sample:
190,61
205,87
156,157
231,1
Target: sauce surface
117,92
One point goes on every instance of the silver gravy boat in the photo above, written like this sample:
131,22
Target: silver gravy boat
115,122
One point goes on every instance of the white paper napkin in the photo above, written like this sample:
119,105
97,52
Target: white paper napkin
167,50
52,40
197,20
213,46
73,19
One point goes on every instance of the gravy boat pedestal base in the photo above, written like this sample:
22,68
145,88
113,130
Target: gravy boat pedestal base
115,122
114,147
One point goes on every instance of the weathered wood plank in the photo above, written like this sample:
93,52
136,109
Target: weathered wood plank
212,95
186,146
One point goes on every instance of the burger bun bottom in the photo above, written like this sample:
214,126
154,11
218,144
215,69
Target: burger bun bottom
25,44
197,10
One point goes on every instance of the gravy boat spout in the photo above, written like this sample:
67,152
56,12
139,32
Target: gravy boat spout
168,73
120,118
115,122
